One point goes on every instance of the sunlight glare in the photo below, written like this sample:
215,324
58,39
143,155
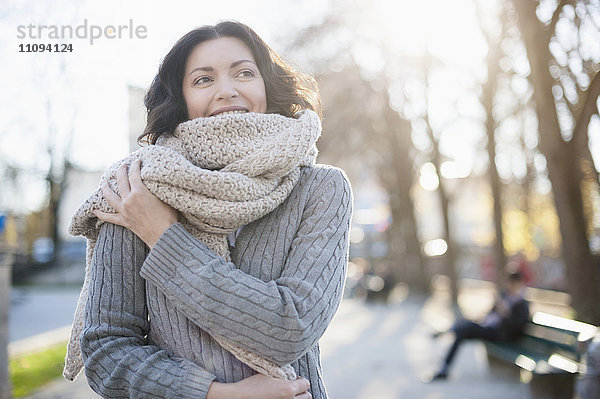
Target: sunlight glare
435,247
448,29
429,179
454,170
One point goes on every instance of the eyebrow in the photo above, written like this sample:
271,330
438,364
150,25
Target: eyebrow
210,69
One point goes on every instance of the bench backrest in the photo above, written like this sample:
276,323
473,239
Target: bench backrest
564,327
561,338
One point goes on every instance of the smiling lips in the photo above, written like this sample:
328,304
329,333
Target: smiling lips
229,110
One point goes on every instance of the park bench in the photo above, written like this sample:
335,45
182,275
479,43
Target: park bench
547,354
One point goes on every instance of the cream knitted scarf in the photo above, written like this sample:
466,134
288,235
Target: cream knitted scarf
219,173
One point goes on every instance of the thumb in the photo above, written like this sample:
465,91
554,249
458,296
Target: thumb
300,385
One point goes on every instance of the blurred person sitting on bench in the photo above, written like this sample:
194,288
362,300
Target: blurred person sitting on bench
504,322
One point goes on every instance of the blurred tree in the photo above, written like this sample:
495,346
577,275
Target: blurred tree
55,115
356,34
487,100
398,177
362,130
522,183
566,86
436,158
56,175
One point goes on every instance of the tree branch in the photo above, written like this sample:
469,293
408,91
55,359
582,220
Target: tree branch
556,16
566,73
589,104
589,108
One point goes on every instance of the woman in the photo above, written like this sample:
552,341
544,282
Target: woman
223,253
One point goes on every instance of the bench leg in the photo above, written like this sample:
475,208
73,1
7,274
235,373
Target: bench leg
552,386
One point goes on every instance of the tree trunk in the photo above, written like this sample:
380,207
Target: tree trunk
487,100
57,188
450,255
406,247
563,162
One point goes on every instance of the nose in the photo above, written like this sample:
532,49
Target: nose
226,89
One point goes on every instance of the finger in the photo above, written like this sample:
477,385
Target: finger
123,181
135,175
305,395
300,385
111,197
108,217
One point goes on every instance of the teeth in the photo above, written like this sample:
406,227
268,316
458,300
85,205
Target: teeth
232,112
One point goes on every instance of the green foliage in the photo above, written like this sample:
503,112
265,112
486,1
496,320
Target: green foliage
29,372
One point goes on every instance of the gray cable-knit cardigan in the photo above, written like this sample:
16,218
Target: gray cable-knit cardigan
275,298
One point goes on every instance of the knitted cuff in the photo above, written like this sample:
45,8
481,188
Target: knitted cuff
196,382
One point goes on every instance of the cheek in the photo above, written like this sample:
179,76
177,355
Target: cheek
261,97
196,104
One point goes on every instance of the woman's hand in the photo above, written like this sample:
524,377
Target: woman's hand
260,386
137,208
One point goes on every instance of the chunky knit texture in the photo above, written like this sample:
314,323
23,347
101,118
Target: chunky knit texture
220,173
151,315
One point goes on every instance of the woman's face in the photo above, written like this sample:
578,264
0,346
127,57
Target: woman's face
221,75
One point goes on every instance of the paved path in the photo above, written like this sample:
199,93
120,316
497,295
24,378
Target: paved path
377,351
38,309
383,351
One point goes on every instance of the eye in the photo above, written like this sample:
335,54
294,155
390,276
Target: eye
202,80
246,73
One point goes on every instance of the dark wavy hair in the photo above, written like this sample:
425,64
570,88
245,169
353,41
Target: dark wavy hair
288,91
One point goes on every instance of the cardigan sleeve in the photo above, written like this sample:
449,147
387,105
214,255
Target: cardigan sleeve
279,319
119,361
